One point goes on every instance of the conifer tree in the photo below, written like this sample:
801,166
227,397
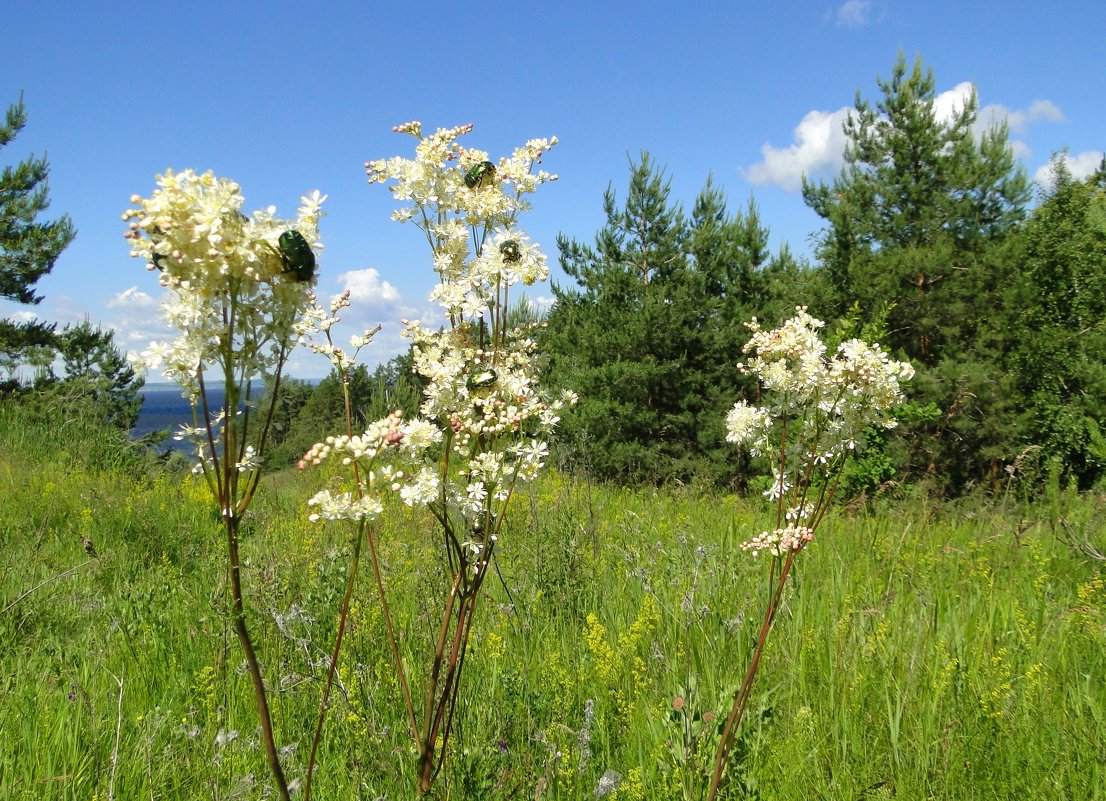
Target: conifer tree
650,335
620,339
915,232
28,250
28,247
912,213
95,368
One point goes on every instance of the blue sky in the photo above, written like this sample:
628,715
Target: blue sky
289,97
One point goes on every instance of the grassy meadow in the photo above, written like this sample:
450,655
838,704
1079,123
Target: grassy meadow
923,651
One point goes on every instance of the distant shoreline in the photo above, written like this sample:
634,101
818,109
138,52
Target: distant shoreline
165,407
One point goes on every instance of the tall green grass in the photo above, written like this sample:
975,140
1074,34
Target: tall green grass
923,652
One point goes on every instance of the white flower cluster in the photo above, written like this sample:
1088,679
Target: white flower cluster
817,412
483,421
454,190
237,284
828,401
343,507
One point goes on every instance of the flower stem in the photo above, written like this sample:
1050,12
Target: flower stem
741,699
251,658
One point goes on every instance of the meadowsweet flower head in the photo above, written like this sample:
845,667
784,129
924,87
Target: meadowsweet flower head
483,422
817,408
781,541
829,401
223,269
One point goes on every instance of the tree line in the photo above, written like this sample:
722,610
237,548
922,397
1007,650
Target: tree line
930,243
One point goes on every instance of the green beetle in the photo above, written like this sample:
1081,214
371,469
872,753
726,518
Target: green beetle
481,379
512,253
480,175
296,255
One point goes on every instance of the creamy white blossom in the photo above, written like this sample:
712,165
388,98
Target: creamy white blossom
483,422
817,406
218,266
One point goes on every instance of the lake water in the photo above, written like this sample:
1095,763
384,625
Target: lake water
163,407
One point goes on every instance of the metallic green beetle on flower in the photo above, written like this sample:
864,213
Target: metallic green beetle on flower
481,379
480,175
297,255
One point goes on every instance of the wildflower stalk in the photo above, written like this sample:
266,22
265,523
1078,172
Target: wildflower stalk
363,530
480,427
236,296
821,408
741,698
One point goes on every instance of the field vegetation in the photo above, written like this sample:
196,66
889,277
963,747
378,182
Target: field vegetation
923,651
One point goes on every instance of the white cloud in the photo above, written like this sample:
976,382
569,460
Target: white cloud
949,103
23,316
1046,110
373,301
132,298
365,286
540,305
1081,166
1018,121
819,147
819,139
853,13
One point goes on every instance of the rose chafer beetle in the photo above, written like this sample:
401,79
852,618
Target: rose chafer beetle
480,175
296,255
512,253
481,379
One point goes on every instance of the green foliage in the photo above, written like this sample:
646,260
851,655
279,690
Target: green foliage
28,249
650,335
31,344
924,651
1059,355
916,227
915,207
96,368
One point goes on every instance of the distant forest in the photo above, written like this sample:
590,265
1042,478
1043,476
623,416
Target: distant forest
932,243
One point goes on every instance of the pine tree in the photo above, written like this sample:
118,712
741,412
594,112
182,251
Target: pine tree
913,211
95,369
619,340
651,334
915,233
28,248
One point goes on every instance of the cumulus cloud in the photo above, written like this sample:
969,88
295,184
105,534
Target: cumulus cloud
373,301
136,319
23,316
1018,121
1045,110
365,286
951,102
853,14
819,147
819,139
1081,166
540,305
